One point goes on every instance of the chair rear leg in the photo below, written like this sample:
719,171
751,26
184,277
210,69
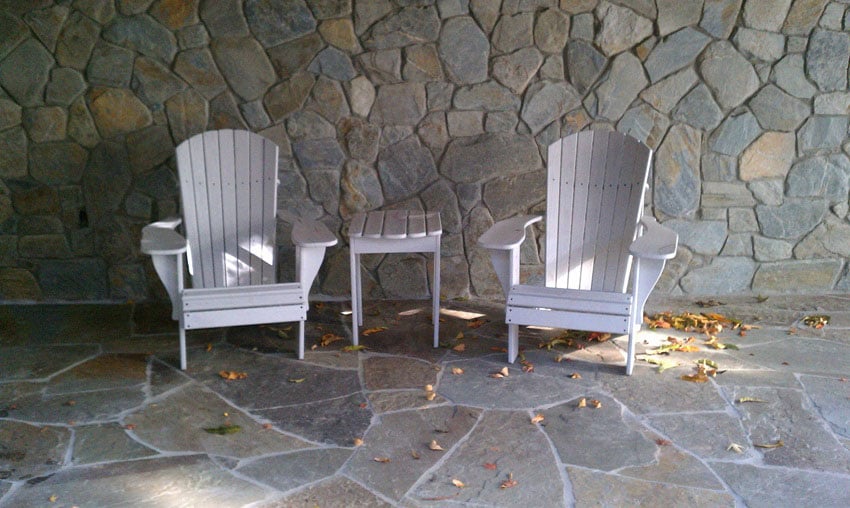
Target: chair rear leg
182,348
513,342
301,340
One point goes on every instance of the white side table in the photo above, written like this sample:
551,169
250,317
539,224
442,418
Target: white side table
390,232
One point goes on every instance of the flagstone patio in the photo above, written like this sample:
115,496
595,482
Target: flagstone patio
93,412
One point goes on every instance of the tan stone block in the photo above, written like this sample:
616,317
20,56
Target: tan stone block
770,156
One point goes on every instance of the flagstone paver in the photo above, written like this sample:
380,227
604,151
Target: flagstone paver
104,418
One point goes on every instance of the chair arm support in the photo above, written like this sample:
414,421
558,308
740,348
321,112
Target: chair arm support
160,238
503,240
656,242
508,233
310,233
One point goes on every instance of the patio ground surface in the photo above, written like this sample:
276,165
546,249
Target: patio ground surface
94,413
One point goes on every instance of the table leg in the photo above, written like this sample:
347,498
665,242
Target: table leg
436,294
355,294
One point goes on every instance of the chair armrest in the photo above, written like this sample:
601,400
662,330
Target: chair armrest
507,234
160,238
310,233
656,242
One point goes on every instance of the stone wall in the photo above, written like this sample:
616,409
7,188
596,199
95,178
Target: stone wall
430,104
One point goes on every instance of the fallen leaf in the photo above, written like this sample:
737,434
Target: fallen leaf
223,430
510,482
761,299
499,349
297,380
130,426
357,441
598,336
663,442
53,498
414,454
457,483
527,366
705,362
575,375
475,323
370,331
505,372
457,371
699,377
777,444
430,395
537,418
329,338
816,321
490,466
358,347
429,388
663,364
582,402
459,336
460,348
231,375
209,348
382,460
734,447
741,400
268,426
596,404
434,445
708,303
70,403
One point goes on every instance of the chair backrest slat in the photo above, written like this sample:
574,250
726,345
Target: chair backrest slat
595,190
228,182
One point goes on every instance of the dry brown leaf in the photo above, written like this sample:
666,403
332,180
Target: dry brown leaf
53,498
70,403
505,372
475,323
582,402
459,336
537,418
231,375
357,441
699,377
297,380
735,447
382,460
267,426
429,388
510,482
490,466
414,454
663,442
499,349
457,371
430,395
596,404
209,348
369,331
460,348
130,426
777,444
575,375
749,399
434,445
329,338
457,483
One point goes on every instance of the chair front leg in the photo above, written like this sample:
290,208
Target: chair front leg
506,265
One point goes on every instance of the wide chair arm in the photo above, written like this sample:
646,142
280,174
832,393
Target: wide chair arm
166,248
503,240
311,238
656,242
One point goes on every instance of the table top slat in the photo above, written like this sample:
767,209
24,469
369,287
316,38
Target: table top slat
416,225
435,225
374,225
395,224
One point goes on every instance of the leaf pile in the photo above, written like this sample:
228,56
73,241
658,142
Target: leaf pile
817,322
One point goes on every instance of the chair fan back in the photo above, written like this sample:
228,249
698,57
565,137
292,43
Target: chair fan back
228,184
595,188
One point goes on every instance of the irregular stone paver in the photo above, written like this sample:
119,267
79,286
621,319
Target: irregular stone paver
516,447
292,470
397,436
271,381
335,421
78,408
107,442
41,362
28,451
381,373
823,357
591,488
191,480
829,396
518,390
616,440
672,466
177,423
785,415
706,434
383,402
105,371
639,393
774,486
338,492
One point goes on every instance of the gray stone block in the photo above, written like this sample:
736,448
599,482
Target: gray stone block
275,21
760,45
411,25
777,110
790,75
13,153
823,132
677,181
723,276
405,168
719,16
75,279
143,34
488,96
244,65
797,276
469,160
791,219
827,58
24,72
546,102
621,28
698,109
701,237
464,50
735,134
677,51
732,78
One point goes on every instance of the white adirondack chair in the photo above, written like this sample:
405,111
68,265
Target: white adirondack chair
228,185
594,229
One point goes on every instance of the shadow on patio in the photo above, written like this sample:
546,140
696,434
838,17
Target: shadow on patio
93,412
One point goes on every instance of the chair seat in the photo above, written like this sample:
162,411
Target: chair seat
243,305
601,311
